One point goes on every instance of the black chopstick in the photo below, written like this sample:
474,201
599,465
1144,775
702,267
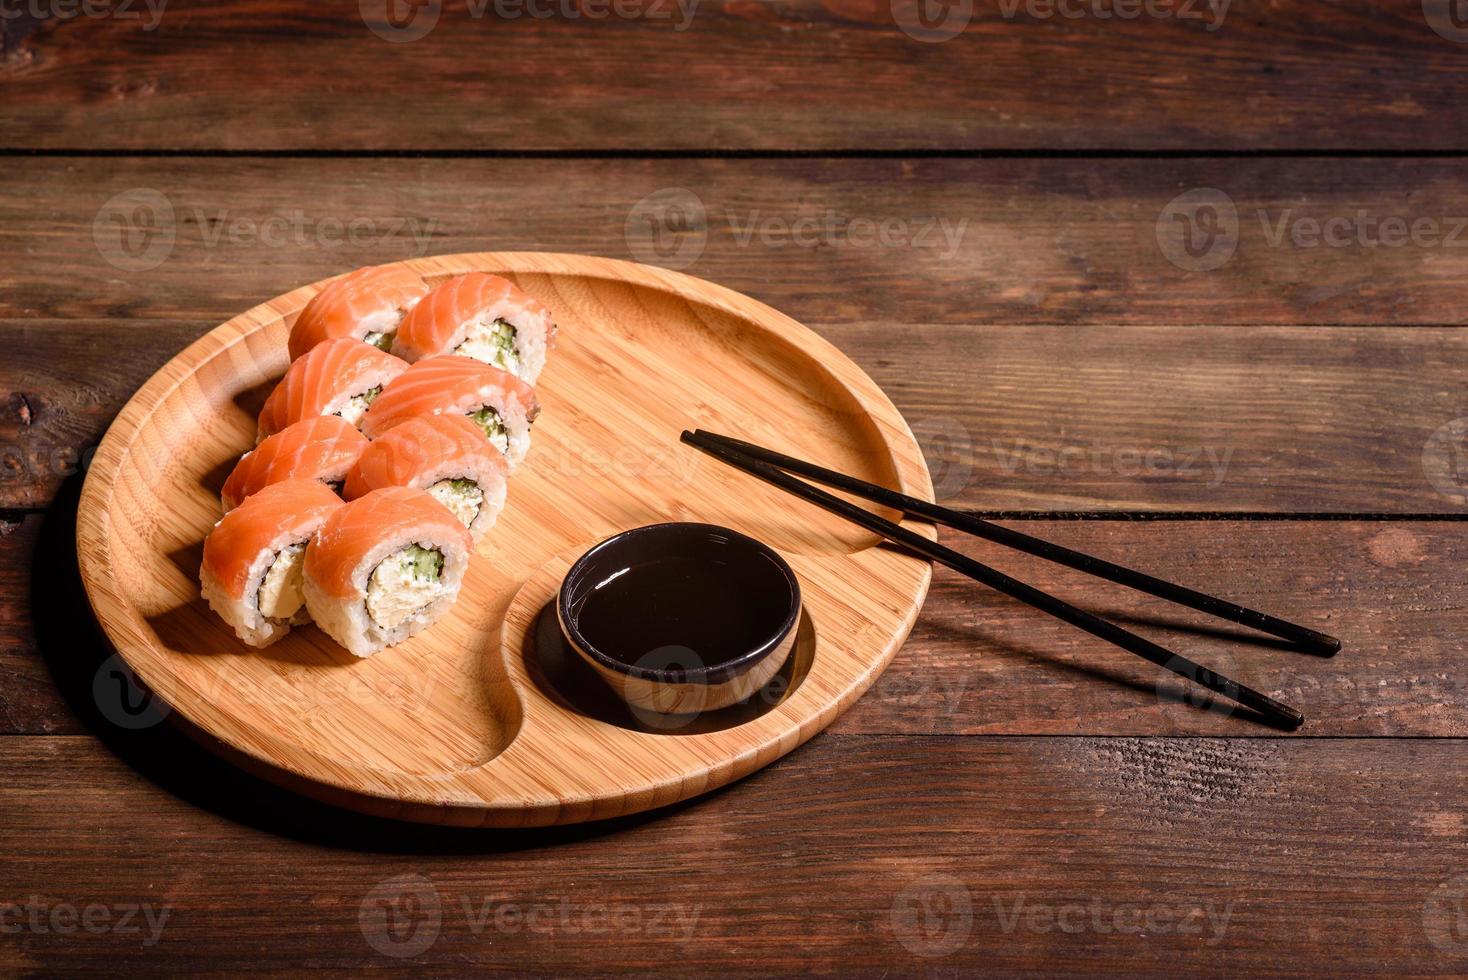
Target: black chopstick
1305,638
1276,713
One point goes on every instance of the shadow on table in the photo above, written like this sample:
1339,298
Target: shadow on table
126,720
1164,689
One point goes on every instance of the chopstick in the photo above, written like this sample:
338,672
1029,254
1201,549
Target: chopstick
1274,712
1305,638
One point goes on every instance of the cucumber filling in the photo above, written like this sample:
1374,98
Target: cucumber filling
462,497
494,427
280,596
403,583
493,343
357,406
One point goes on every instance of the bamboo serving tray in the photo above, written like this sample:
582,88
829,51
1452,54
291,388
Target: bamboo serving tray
473,722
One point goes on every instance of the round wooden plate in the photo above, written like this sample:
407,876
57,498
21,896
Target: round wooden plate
463,724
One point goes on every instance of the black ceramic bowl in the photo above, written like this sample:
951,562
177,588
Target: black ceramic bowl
681,618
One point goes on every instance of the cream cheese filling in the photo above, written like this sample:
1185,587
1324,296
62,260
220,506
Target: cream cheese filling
357,406
280,595
494,428
462,497
493,343
403,583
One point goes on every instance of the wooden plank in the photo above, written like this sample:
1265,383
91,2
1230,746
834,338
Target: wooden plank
30,700
978,663
775,74
68,383
827,241
862,856
1022,418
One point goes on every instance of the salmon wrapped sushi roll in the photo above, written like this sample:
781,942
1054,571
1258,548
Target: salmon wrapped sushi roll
324,448
337,377
447,455
495,400
384,567
253,559
366,305
480,316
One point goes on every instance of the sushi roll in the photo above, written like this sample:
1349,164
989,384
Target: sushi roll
251,575
385,567
480,316
324,448
447,455
496,401
336,377
366,305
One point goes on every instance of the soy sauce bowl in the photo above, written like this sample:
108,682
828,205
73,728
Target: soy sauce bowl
681,618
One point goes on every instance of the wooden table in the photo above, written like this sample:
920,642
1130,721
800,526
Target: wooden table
1181,292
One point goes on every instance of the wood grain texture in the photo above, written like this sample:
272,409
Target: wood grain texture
979,664
451,726
787,74
1011,418
30,699
1055,326
828,858
825,241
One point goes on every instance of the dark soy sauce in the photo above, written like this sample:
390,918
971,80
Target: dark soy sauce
718,610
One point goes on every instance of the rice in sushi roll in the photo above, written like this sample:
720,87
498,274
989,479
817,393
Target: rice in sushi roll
447,455
495,400
366,305
484,317
336,377
324,448
251,575
384,567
